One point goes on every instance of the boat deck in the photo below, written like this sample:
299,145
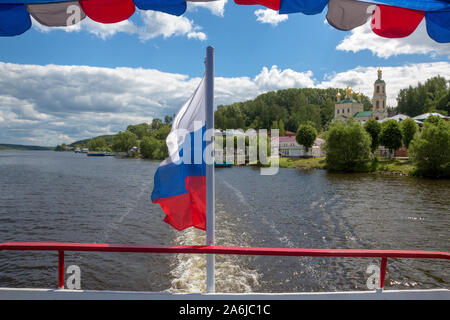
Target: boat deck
63,294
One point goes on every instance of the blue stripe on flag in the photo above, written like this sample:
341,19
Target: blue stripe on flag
170,179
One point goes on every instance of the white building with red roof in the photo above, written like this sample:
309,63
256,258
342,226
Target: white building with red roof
288,147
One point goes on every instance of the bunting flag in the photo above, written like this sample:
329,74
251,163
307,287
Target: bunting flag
57,14
14,19
395,22
303,6
173,7
271,4
348,14
108,11
389,18
438,25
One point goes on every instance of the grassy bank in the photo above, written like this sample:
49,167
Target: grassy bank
403,167
395,166
311,163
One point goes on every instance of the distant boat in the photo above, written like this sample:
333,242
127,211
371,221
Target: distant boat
223,165
84,150
77,150
97,154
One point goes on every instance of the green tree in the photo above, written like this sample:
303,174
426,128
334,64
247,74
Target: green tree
168,120
156,124
409,129
391,135
148,146
373,128
433,119
281,127
306,135
97,144
161,152
431,96
140,130
293,107
162,132
430,151
124,141
347,146
274,125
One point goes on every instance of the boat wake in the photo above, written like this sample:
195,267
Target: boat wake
231,273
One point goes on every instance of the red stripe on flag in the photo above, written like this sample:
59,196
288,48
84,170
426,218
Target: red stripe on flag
189,209
395,22
271,4
108,11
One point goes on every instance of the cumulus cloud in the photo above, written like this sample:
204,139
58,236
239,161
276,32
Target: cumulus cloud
150,25
48,105
157,24
278,79
216,7
418,42
361,79
270,16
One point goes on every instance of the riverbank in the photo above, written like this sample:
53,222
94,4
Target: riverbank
382,166
302,163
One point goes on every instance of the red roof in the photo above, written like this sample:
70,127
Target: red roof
287,139
289,133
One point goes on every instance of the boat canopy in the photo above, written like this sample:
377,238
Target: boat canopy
389,18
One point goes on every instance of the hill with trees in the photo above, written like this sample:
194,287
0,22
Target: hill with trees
432,96
287,109
5,146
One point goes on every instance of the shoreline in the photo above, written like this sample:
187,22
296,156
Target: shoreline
397,167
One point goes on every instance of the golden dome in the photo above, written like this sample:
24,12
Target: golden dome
359,96
338,94
349,92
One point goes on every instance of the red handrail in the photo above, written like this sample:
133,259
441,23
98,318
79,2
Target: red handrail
288,252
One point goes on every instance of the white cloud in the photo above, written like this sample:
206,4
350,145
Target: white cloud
152,24
105,31
270,16
361,79
157,24
216,7
46,103
274,79
418,42
100,30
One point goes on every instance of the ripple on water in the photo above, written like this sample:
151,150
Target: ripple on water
50,196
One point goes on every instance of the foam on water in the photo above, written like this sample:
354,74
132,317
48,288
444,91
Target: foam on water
189,270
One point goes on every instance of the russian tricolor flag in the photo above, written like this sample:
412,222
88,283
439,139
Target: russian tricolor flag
180,180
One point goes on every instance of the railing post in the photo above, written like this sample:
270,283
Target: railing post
383,272
60,269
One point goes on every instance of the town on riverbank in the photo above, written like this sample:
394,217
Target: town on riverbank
333,129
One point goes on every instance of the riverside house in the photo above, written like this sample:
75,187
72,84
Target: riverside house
288,147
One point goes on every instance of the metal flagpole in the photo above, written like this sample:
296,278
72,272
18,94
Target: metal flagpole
210,258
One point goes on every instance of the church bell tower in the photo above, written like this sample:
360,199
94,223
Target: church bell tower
379,98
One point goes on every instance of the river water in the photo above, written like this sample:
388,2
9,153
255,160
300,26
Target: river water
51,196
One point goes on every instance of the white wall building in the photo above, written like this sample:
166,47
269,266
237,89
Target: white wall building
288,147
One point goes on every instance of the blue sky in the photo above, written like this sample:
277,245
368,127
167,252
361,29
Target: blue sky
256,51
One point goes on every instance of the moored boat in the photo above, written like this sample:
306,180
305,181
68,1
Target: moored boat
97,154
